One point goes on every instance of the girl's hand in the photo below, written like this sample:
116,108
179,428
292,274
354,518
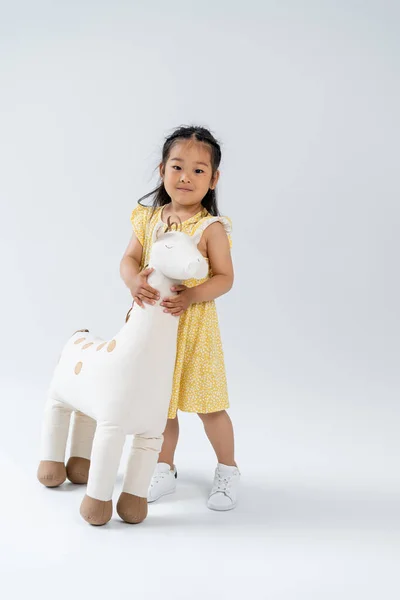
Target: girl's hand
141,291
176,305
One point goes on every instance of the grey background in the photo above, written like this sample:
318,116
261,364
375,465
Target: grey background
304,97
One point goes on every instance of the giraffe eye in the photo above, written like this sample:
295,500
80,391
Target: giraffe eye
169,247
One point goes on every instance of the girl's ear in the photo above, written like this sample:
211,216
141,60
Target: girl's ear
158,231
161,169
215,180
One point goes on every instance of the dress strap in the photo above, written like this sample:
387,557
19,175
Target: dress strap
204,223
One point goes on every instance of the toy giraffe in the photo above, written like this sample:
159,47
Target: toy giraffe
117,388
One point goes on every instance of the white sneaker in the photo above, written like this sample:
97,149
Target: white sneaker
223,495
163,482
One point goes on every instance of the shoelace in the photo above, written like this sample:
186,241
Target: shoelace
222,484
157,478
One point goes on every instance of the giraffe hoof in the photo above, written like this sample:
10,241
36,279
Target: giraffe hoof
132,509
78,469
96,512
51,473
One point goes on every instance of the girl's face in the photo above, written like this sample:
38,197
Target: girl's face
187,173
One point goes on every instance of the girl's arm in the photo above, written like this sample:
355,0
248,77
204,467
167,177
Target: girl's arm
130,262
219,255
135,279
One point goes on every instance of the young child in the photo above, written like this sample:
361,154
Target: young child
189,175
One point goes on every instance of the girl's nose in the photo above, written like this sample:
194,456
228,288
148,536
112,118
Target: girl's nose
183,178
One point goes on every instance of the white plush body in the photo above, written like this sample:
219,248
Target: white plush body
125,386
129,386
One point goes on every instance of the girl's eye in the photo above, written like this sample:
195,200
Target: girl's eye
177,167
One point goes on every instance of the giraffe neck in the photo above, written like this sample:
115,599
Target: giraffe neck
152,317
163,284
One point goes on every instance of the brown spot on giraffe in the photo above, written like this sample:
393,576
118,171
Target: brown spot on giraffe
111,346
87,345
78,368
101,346
79,340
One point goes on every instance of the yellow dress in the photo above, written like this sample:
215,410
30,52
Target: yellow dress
199,384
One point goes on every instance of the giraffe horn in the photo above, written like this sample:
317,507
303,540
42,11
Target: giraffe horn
179,225
173,225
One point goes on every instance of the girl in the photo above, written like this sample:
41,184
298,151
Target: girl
189,175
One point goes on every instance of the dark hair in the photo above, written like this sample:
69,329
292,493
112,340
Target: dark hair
200,134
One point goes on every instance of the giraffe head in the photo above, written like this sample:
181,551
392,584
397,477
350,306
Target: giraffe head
175,253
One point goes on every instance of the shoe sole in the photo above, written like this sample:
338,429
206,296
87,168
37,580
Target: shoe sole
160,496
222,509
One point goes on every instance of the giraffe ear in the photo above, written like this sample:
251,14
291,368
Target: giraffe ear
158,231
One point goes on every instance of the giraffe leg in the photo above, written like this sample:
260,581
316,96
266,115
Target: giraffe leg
83,431
96,507
51,471
132,503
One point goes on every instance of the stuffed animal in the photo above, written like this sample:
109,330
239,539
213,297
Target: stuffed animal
119,387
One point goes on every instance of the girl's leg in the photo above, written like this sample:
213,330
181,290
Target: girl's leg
219,430
171,435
